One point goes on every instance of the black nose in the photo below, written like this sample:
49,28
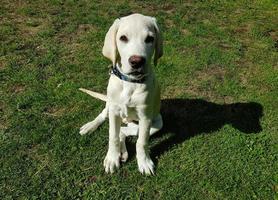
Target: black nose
136,61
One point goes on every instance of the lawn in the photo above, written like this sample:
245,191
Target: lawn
219,80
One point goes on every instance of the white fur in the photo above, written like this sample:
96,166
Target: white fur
127,102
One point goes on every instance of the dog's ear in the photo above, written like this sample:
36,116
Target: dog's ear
109,49
158,43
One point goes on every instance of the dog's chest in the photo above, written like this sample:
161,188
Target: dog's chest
127,106
130,98
126,98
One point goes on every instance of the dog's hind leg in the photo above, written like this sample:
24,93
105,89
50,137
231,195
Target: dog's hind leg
124,153
157,124
93,125
132,128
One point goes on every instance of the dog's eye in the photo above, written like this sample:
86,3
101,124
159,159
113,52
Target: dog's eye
123,38
149,39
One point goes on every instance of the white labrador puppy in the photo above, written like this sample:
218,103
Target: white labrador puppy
133,94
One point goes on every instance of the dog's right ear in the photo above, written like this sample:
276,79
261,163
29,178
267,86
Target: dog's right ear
109,49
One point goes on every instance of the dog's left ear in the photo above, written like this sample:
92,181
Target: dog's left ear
158,42
109,49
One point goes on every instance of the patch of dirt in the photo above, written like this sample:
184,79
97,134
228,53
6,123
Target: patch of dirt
83,28
71,39
243,29
245,65
169,23
152,9
27,26
3,127
54,111
168,8
210,73
198,92
3,118
17,88
209,76
206,22
173,92
273,34
185,32
195,88
30,27
225,46
2,63
243,34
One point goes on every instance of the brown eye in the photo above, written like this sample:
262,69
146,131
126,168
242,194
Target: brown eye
149,39
123,38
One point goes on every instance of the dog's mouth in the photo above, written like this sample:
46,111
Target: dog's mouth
136,73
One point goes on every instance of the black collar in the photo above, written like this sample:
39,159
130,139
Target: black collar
124,77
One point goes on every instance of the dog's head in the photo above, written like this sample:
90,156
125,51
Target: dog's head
131,42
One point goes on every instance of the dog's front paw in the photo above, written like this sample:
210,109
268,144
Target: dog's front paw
111,162
90,126
145,165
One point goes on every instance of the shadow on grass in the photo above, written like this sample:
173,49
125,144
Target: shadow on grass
185,118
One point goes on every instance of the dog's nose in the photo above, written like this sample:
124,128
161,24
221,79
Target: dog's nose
136,61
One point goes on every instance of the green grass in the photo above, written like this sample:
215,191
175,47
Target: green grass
219,81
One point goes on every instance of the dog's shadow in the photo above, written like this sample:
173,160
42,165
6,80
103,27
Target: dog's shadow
185,118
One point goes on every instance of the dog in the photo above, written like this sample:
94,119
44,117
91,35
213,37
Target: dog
133,93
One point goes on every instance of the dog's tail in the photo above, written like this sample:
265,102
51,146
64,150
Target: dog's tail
97,95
